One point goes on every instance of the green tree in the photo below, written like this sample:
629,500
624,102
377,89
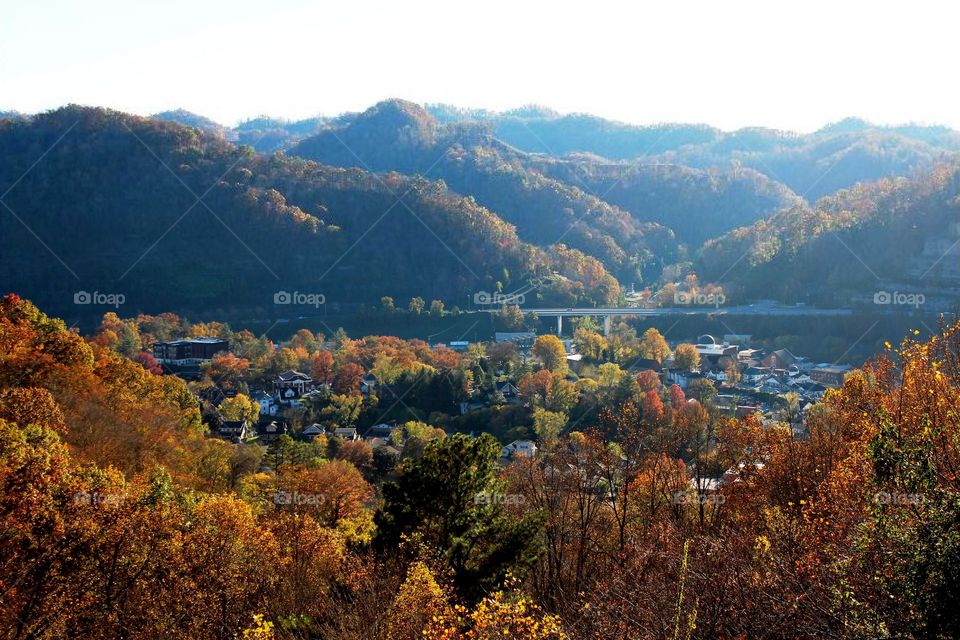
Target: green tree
548,424
452,500
416,306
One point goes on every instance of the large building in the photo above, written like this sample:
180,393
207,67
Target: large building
190,351
831,376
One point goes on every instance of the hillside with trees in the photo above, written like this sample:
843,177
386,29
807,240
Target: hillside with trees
813,165
655,514
177,219
629,217
847,245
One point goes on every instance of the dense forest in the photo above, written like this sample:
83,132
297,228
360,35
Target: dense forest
177,219
435,203
813,165
848,244
122,517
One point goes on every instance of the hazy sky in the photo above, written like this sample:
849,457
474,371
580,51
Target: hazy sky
792,65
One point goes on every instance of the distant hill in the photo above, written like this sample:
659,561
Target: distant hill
114,201
190,119
900,232
267,135
812,165
618,213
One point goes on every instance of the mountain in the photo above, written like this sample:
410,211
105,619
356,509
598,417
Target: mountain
267,135
813,165
900,233
190,119
621,214
101,201
696,204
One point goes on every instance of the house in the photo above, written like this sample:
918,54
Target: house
683,378
519,447
190,351
645,364
270,431
313,431
754,374
368,384
508,389
772,385
347,433
831,376
235,430
290,385
268,406
459,345
215,395
779,359
382,430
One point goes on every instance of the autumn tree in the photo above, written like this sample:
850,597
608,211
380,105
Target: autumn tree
321,368
240,407
686,357
550,351
346,381
653,345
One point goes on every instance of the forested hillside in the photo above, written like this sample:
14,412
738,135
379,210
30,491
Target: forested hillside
113,207
617,213
655,514
813,165
847,244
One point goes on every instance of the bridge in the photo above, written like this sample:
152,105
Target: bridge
607,313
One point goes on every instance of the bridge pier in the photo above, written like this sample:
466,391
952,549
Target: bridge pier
559,326
607,322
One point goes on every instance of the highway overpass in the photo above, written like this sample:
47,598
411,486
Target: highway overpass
607,313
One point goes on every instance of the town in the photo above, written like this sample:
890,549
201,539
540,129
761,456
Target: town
533,387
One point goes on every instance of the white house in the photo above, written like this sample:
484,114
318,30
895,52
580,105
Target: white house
519,447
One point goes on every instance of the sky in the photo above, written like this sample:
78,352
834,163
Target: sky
788,65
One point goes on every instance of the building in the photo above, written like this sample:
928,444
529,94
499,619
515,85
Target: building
831,376
235,430
268,405
190,351
779,359
347,433
519,447
523,339
712,353
290,385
